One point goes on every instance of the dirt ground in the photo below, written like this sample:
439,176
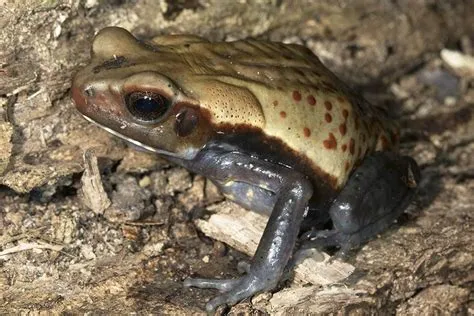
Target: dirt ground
131,254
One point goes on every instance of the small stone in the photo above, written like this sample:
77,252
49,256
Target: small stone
87,252
450,101
144,182
153,249
179,180
219,249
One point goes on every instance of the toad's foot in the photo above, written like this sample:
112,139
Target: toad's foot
234,290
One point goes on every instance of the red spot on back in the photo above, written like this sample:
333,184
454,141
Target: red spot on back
352,146
343,129
306,132
345,113
282,114
328,105
328,117
331,142
275,103
311,100
344,148
296,95
341,99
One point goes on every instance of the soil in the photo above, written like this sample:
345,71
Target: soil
120,237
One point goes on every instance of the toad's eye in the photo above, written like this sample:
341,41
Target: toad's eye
147,106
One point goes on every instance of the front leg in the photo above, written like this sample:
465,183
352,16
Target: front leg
292,192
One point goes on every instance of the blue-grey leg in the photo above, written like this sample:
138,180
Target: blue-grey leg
292,192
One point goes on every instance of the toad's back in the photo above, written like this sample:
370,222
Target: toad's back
281,90
286,91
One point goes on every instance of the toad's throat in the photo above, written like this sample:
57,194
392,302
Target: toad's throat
137,143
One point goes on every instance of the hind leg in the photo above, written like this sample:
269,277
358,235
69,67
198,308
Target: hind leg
375,195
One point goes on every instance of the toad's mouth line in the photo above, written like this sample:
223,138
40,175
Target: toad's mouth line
133,141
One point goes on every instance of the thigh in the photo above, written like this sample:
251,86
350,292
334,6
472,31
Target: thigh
249,196
375,195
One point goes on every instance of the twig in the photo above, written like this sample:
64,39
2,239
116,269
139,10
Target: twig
29,246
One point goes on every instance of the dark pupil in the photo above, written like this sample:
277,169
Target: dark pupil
147,106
